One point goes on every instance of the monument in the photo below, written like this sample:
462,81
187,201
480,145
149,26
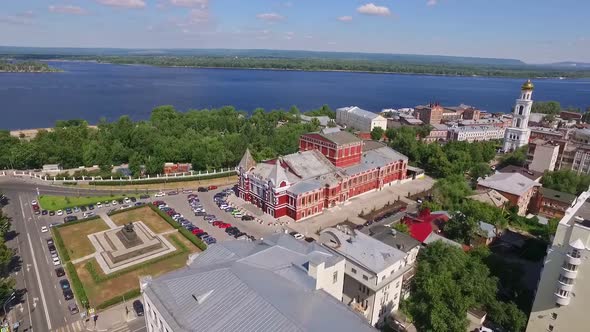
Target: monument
127,245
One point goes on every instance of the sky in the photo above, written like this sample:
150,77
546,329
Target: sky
535,31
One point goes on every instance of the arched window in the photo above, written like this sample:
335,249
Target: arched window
520,109
518,122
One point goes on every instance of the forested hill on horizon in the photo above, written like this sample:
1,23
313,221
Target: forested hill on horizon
56,52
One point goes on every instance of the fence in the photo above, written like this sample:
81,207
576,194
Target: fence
186,176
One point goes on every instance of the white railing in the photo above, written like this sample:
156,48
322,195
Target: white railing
160,177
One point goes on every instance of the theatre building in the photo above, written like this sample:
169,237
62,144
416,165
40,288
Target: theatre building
331,167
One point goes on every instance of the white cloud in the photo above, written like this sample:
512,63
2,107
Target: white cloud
16,20
197,16
344,18
27,14
270,17
432,2
372,9
190,3
67,9
123,3
289,35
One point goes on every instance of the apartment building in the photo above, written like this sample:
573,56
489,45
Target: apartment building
431,114
475,133
374,272
563,293
517,188
359,119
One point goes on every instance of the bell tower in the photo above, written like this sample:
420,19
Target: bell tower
518,134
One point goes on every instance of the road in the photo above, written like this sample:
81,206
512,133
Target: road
39,305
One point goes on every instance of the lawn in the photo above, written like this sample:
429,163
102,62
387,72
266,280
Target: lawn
51,202
99,293
145,214
140,188
75,236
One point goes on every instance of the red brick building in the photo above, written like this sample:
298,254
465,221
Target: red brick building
330,168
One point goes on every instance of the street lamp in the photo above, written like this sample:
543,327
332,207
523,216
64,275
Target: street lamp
10,298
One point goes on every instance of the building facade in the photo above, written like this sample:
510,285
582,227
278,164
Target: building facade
551,203
431,114
471,113
476,134
374,272
359,119
331,167
518,134
563,293
545,156
517,188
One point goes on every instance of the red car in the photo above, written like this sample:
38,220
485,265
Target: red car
198,231
224,225
212,187
217,223
156,203
170,212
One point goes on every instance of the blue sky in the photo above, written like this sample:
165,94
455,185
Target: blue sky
535,31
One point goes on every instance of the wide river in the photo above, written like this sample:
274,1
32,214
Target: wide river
90,91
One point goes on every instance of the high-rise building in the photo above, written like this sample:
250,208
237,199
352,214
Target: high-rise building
518,134
563,293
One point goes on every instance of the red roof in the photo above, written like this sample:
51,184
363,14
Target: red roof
424,224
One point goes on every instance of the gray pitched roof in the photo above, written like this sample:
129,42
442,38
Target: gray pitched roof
277,173
340,137
393,238
433,237
566,198
512,183
247,161
252,286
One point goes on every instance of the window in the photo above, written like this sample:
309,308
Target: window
570,267
397,285
550,328
335,277
553,316
563,293
395,297
575,253
365,277
353,270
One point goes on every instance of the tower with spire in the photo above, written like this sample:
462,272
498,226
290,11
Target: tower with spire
517,135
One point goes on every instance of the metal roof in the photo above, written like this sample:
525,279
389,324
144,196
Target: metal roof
266,290
394,238
340,137
566,198
512,183
358,111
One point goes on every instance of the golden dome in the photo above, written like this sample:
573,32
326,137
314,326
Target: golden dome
528,85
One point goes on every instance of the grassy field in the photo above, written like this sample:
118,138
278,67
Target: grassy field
51,202
98,293
169,186
75,237
145,214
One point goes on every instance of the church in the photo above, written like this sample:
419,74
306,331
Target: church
330,167
517,135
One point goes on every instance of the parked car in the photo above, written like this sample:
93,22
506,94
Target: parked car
83,209
70,218
64,284
88,214
56,261
212,187
50,242
247,217
160,194
126,200
197,231
76,209
296,235
237,215
202,189
34,202
172,193
138,307
69,211
139,203
99,205
133,199
145,196
114,202
90,207
68,295
60,272
60,212
52,213
73,308
44,212
53,224
52,249
200,213
210,240
158,203
202,235
44,229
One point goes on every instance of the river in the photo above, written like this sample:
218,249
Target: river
90,91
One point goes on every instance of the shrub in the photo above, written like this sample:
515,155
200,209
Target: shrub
69,183
77,285
129,295
59,244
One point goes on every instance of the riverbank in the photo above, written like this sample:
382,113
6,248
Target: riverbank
28,134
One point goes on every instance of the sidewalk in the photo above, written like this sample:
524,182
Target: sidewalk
113,317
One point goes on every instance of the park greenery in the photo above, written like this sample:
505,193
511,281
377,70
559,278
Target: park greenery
7,259
209,139
339,64
566,181
54,202
448,283
25,67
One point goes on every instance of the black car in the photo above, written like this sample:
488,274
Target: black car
202,189
138,307
133,199
70,218
247,218
200,214
44,212
120,201
59,272
69,211
90,207
144,196
83,209
52,213
68,295
139,203
200,236
64,283
51,248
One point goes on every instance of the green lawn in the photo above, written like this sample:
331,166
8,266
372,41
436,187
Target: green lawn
50,202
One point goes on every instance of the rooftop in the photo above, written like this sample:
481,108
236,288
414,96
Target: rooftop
489,196
532,175
559,196
364,250
340,137
323,119
252,286
358,111
393,238
487,230
433,237
512,183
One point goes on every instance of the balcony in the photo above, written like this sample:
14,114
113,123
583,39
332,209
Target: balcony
564,286
569,273
561,300
571,259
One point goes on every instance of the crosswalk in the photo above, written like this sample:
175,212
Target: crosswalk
79,326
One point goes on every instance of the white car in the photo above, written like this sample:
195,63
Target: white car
126,200
298,236
88,214
114,202
56,261
34,202
44,229
99,205
107,204
160,194
60,213
238,215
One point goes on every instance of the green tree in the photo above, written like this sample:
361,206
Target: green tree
377,133
546,107
516,157
449,192
5,223
566,181
401,227
480,170
461,228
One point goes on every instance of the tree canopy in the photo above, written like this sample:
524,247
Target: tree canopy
566,181
449,282
546,107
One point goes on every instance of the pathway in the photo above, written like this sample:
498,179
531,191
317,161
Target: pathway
108,220
81,259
